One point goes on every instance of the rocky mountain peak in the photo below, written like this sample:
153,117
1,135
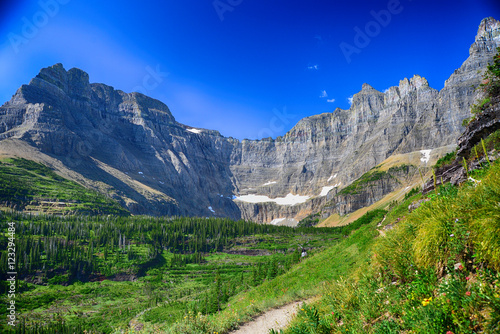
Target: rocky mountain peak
406,86
481,52
489,29
487,38
366,90
53,74
417,81
391,95
366,87
367,99
65,80
56,81
67,90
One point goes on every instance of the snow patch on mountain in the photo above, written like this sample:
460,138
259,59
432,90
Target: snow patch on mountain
289,199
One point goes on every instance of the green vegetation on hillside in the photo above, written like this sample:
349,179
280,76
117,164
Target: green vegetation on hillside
437,271
28,185
369,179
481,149
86,268
364,181
446,160
310,220
491,82
434,270
303,280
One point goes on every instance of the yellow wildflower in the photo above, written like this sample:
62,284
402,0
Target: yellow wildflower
426,301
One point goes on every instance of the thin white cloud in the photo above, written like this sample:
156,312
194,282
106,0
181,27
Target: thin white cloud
330,100
349,99
313,67
323,94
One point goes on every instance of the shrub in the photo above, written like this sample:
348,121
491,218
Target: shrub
491,82
446,160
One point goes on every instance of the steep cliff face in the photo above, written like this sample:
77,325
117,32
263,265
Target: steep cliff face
158,166
129,141
453,102
333,150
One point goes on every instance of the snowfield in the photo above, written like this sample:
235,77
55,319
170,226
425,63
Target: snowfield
325,191
269,183
289,199
276,221
426,155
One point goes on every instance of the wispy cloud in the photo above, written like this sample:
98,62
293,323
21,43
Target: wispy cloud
313,67
330,100
323,94
349,99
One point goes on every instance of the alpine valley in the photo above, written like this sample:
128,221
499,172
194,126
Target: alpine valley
383,218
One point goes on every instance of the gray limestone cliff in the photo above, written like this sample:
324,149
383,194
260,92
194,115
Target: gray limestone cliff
337,148
128,141
155,165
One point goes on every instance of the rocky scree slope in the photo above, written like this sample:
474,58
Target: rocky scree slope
156,165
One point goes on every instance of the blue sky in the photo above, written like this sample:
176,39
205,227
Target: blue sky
248,68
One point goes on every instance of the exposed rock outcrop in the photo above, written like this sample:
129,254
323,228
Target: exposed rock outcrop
485,123
479,128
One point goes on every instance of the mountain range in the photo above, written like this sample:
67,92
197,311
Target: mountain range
129,146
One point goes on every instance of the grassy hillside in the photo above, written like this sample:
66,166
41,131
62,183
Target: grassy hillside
435,272
30,186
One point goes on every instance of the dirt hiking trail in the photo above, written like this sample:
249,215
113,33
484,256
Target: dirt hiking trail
276,318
